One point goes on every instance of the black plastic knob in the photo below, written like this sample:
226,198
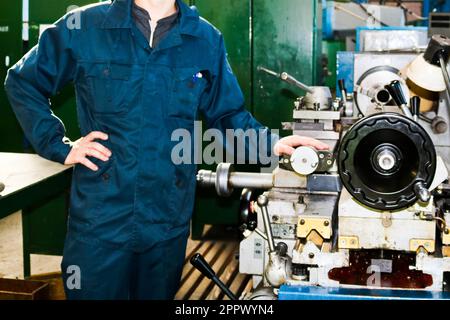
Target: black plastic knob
201,265
415,105
396,92
282,248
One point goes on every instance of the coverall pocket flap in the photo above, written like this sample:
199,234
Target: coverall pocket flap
109,85
181,74
188,85
108,71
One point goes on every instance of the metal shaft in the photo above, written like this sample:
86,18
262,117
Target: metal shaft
268,71
262,234
291,80
406,111
207,178
251,180
224,288
262,203
445,73
287,78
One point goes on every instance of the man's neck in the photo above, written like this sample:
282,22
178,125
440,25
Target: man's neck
158,9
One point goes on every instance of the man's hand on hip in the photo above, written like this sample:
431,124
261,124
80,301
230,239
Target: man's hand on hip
87,147
287,145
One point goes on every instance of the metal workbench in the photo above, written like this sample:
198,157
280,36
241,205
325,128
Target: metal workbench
30,181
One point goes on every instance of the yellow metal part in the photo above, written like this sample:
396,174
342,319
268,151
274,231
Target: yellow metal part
348,242
315,238
321,225
416,244
446,236
446,251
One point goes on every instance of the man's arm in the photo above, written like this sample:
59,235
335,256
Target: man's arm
30,83
223,108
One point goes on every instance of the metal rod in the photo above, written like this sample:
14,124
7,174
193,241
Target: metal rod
224,288
251,180
291,80
445,73
287,78
406,111
272,73
262,203
207,178
262,234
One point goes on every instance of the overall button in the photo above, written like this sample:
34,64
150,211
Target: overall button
179,183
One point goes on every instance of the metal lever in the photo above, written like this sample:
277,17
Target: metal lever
348,108
415,107
444,70
341,83
278,270
201,265
262,203
287,78
396,92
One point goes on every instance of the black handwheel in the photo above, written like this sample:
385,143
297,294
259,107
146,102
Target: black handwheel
384,159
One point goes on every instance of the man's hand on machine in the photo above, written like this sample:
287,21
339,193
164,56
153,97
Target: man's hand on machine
287,145
87,147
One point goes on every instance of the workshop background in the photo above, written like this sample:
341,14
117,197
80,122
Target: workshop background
303,38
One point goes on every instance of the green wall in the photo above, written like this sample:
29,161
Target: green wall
11,137
283,35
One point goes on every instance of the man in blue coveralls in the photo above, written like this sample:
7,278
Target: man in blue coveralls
133,64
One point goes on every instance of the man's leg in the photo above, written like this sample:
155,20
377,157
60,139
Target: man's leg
158,270
91,271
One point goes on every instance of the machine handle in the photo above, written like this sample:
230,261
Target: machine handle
396,92
262,203
341,84
287,78
291,80
201,265
415,107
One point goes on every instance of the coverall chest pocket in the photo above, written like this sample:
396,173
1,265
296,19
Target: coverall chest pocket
188,84
110,87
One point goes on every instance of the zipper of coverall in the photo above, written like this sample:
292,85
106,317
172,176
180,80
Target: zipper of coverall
135,35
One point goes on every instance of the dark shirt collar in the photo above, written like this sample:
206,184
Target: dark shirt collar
119,16
143,14
142,20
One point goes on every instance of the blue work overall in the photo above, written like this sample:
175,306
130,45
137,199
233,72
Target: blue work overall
128,221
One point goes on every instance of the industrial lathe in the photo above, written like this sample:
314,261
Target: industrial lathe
370,218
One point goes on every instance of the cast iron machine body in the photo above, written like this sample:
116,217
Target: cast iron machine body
372,212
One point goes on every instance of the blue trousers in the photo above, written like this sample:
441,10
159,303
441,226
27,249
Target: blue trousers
93,272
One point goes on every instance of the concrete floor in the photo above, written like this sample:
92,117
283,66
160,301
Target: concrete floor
11,260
